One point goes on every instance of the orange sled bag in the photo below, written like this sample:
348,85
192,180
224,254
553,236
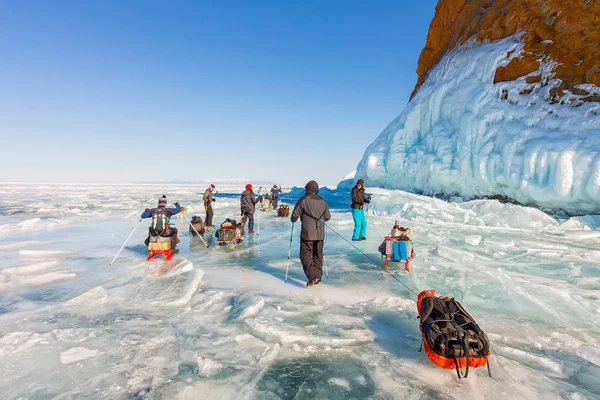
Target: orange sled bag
451,337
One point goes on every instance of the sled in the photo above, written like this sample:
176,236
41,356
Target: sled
451,337
398,249
159,245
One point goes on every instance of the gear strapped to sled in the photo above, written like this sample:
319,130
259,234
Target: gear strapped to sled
451,337
283,211
398,247
229,232
159,245
265,204
198,225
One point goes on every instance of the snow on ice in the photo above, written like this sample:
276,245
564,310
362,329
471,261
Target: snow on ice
222,323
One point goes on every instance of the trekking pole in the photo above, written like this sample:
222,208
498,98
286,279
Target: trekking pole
200,236
289,254
126,240
325,258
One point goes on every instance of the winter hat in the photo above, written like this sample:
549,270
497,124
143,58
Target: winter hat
249,187
274,186
312,187
212,186
162,200
360,182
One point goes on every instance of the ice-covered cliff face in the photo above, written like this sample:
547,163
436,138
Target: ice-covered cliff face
462,134
564,31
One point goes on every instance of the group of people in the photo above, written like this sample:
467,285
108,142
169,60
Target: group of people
161,215
311,210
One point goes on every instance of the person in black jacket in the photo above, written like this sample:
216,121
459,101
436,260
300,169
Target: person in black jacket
358,214
208,205
248,207
313,212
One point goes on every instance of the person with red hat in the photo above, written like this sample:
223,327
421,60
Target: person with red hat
248,207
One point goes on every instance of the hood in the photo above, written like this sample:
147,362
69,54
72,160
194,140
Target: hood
312,187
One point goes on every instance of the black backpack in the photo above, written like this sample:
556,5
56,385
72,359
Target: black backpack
160,222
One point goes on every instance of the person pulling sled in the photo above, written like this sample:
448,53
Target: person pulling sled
208,205
275,193
312,211
248,207
162,238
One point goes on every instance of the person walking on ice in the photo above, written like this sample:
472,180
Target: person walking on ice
248,207
358,213
208,205
313,212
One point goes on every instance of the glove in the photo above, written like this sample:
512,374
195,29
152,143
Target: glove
214,200
177,205
368,200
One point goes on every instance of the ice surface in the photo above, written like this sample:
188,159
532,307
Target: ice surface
76,354
473,240
221,324
464,135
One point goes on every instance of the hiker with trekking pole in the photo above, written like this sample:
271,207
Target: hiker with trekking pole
312,211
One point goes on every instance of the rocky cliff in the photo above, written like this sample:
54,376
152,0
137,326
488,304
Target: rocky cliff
565,33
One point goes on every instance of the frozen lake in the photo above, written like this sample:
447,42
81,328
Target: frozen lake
222,324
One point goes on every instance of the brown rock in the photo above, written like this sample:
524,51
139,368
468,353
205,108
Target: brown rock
565,31
533,79
517,68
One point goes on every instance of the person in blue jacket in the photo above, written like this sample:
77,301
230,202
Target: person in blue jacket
358,214
275,192
161,216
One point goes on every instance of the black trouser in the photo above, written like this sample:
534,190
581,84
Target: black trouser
311,256
274,201
209,214
250,217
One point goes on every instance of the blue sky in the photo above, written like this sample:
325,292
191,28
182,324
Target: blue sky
125,91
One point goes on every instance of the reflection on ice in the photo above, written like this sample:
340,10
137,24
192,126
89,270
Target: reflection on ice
316,378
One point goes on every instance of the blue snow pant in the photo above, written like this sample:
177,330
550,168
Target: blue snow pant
360,223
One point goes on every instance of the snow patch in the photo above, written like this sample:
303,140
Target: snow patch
343,383
91,299
76,354
208,368
473,240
